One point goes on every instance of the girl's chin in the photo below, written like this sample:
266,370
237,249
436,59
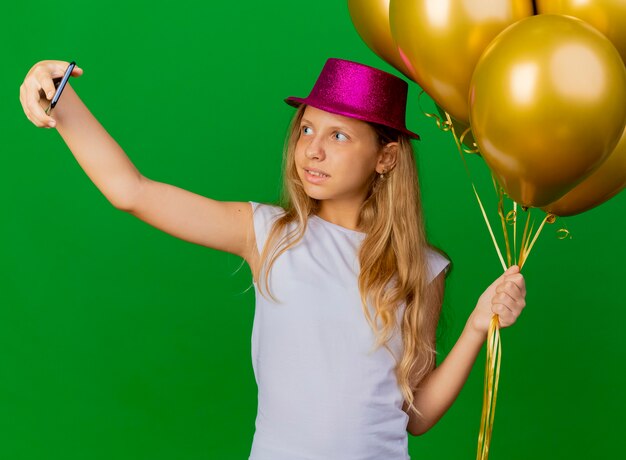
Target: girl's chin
323,193
317,195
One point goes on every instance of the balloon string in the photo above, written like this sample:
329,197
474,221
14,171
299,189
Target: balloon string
495,184
446,125
510,218
515,230
524,237
441,124
505,231
480,203
490,389
563,233
462,140
527,251
494,354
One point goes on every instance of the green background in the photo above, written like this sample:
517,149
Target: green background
120,341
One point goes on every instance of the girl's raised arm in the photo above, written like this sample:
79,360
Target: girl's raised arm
225,226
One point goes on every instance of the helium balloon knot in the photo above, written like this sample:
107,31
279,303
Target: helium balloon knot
551,218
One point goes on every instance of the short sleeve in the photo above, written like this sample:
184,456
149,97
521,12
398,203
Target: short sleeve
264,216
436,264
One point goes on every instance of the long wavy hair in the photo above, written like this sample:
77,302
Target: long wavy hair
393,255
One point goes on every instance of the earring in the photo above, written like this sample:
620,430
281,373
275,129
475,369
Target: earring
382,175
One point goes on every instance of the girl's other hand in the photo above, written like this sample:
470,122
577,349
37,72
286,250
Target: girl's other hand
38,89
506,297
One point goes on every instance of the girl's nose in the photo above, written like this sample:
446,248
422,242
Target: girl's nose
315,150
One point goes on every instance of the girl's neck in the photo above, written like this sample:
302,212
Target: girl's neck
340,213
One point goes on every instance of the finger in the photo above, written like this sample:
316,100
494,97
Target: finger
56,69
513,269
513,303
47,85
53,69
509,271
519,280
25,105
504,299
510,287
506,316
40,118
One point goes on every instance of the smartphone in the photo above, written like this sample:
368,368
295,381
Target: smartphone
59,83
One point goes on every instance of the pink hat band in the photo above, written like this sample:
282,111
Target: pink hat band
358,91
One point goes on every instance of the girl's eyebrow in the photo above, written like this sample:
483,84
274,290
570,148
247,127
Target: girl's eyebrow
339,127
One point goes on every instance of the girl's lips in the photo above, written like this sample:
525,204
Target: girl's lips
313,178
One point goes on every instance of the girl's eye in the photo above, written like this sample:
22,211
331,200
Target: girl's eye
341,136
306,130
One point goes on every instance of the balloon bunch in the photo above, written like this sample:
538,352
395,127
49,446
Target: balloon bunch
543,94
536,88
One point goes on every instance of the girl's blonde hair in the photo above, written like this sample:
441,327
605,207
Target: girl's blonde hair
393,255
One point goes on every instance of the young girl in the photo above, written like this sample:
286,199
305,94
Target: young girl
348,290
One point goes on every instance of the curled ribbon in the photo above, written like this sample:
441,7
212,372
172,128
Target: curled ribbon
444,125
490,391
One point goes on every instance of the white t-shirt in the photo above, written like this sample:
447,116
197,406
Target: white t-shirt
322,394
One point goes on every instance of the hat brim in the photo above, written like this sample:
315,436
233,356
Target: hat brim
298,101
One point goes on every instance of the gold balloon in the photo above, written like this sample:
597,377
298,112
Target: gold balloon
606,182
547,106
440,42
608,16
371,21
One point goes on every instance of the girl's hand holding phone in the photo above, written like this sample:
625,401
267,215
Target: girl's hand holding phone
506,297
37,92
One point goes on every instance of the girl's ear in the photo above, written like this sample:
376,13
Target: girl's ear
387,158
